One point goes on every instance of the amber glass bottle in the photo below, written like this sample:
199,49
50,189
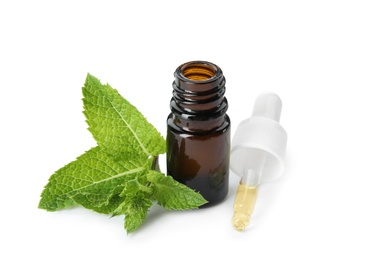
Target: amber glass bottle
198,130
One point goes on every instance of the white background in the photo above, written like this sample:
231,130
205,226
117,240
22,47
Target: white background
325,59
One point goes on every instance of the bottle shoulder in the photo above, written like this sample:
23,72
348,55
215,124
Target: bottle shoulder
198,127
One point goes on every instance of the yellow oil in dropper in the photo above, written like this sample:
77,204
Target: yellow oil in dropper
247,194
244,206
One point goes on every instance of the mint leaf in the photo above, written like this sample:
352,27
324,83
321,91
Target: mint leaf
108,208
133,186
136,212
117,125
173,195
121,175
91,180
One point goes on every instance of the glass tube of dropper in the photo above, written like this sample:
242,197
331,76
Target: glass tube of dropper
247,193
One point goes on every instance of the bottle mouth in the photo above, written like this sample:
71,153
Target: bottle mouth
198,71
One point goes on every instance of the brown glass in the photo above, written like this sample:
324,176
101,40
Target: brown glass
198,130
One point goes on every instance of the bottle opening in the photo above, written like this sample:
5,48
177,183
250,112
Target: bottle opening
198,71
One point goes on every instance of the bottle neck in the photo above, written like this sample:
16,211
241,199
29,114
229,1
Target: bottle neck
198,101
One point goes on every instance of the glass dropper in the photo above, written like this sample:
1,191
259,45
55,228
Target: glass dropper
258,148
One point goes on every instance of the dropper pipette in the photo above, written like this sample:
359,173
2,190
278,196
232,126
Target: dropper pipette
259,145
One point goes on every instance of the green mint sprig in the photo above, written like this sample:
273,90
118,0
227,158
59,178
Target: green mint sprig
119,176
